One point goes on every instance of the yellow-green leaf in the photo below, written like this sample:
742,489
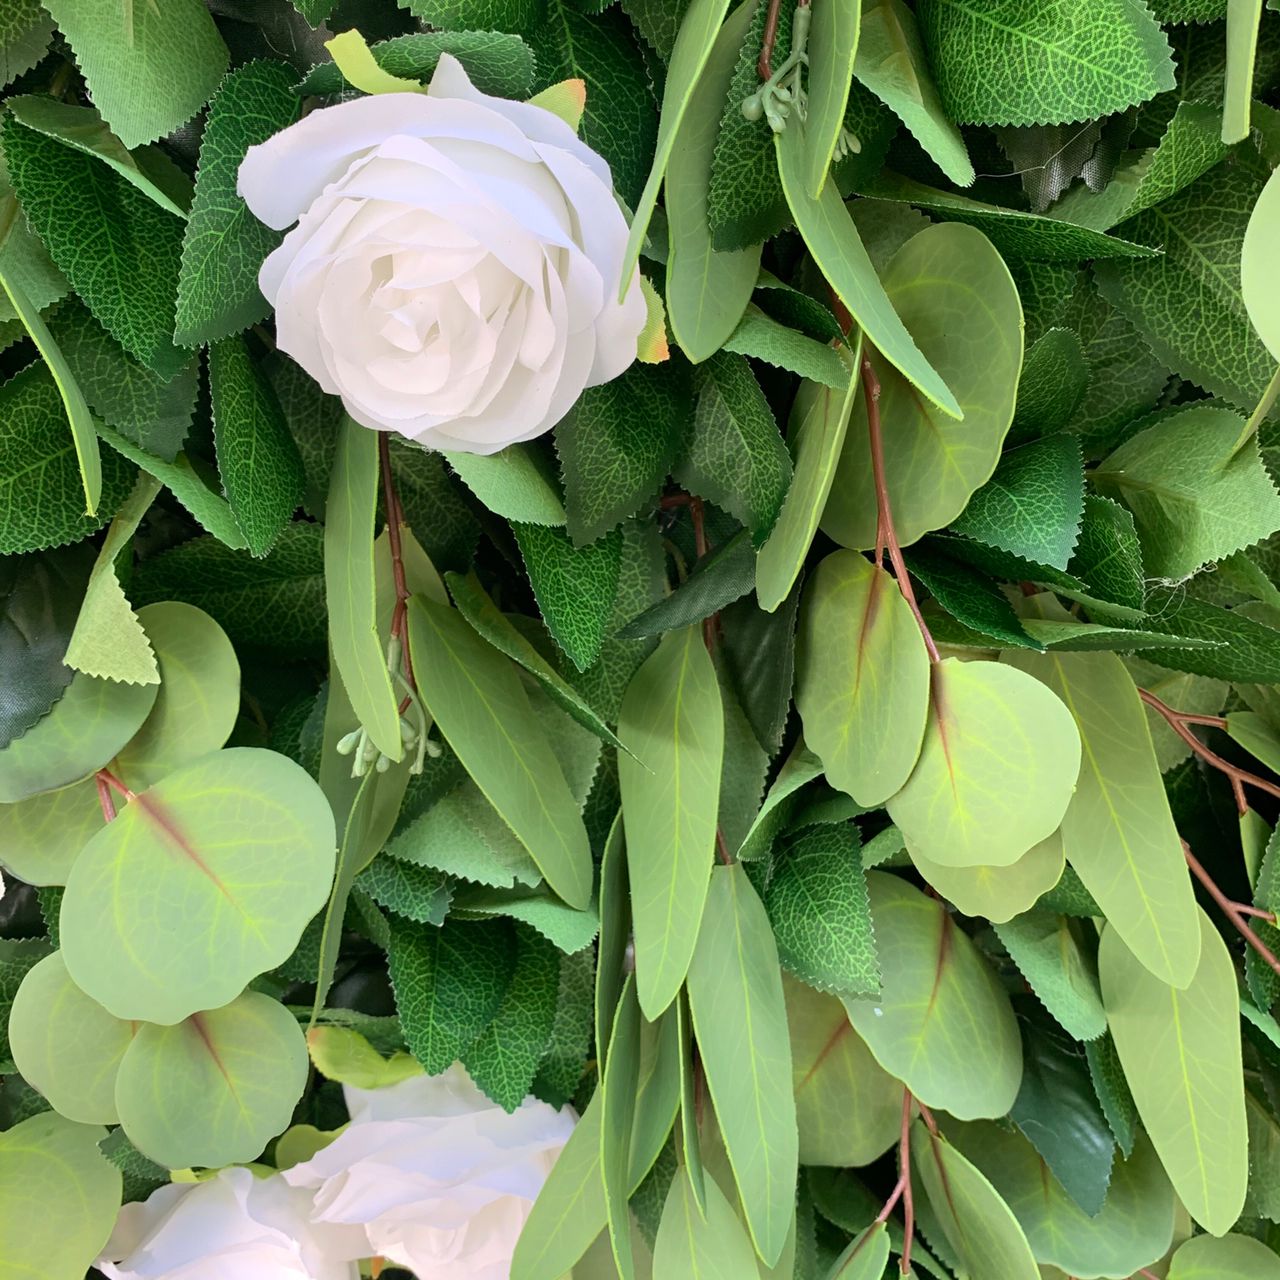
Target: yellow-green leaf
693,1245
1260,266
833,45
1232,1257
997,893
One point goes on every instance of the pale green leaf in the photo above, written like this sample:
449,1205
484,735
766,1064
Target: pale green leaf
862,677
46,1161
997,769
1243,17
201,836
866,1256
832,238
215,1088
618,1084
42,836
672,724
762,337
997,893
1181,1055
739,1017
476,698
959,303
344,1055
833,46
515,483
1118,832
701,1244
1231,1257
1047,950
937,992
1260,266
848,1108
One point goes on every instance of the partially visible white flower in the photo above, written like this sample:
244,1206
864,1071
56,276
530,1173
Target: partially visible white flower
441,1179
454,272
233,1225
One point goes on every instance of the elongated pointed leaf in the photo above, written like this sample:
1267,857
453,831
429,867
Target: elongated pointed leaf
833,45
1260,267
690,1143
937,989
672,723
1118,832
1243,17
862,673
866,1256
693,1245
350,586
618,1086
996,771
739,1017
475,696
1180,1050
832,238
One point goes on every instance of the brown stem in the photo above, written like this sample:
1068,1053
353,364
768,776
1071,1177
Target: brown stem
107,783
904,1175
1229,909
886,534
1179,721
722,849
764,65
395,523
1257,912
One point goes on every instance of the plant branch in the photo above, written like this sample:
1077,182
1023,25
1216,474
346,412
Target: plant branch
1180,722
886,534
1230,909
107,783
1264,407
764,65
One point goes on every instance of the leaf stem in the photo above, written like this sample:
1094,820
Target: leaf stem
395,523
1264,407
107,783
764,65
886,534
1229,909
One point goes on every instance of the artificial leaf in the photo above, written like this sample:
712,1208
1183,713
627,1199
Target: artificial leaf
724,575
1054,377
997,893
1118,832
848,1108
24,38
1047,950
415,892
618,1084
862,677
182,840
704,1241
1016,62
739,1015
763,338
214,1088
933,463
1243,17
935,983
672,724
504,749
1181,1055
1258,266
832,51
1231,1257
991,745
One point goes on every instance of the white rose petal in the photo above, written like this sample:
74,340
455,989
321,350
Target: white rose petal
232,1225
440,1178
453,273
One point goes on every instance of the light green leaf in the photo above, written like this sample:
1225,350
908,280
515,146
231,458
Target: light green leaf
1259,268
1046,948
201,836
46,1160
944,1026
1181,1055
225,244
996,772
215,1088
108,640
1232,1257
1243,17
1118,832
739,1017
66,1045
198,700
42,836
690,1141
85,728
892,64
976,1222
865,1258
618,1084
821,917
799,768
710,1245
707,291
615,933
832,238
833,46
1196,493
415,892
958,301
1044,61
350,515
344,1055
258,461
997,893
568,929
763,338
672,724
862,677
820,418
1133,1229
697,36
475,697
515,483
150,68
848,1108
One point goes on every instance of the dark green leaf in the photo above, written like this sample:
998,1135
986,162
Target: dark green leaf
725,575
416,893
967,596
504,15
1054,377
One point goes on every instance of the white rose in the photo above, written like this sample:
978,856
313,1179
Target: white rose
441,1178
454,272
232,1225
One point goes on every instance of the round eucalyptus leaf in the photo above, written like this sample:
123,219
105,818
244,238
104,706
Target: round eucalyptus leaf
1260,266
958,300
58,1198
42,836
66,1045
201,883
199,696
1231,1257
998,767
997,893
86,727
215,1088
